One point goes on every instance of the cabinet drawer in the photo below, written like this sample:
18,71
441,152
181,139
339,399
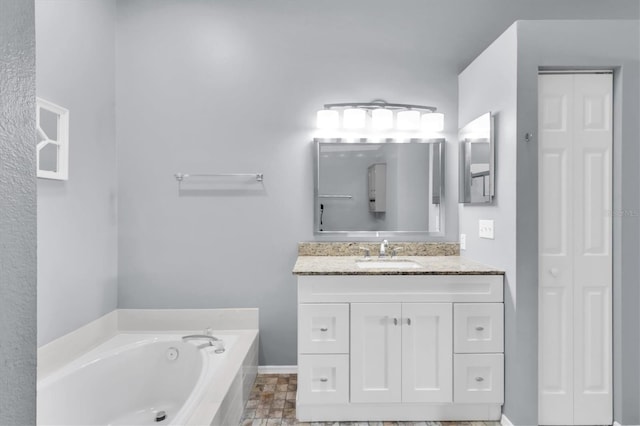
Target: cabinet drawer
478,327
323,379
323,328
478,378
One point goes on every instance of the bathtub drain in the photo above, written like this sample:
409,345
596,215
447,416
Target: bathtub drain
160,416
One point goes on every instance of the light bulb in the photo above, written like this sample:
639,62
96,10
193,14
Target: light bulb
408,120
327,119
353,118
382,119
432,122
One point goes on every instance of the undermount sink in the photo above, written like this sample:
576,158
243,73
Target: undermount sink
387,264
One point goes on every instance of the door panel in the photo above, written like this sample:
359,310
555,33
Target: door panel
555,274
427,363
376,352
593,402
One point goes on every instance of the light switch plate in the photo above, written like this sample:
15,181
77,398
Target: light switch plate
463,241
485,229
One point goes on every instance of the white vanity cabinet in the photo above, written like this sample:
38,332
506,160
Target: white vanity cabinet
400,347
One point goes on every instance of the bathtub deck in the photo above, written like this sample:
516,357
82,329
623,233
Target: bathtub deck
273,402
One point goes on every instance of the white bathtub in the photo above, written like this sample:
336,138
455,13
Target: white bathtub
131,378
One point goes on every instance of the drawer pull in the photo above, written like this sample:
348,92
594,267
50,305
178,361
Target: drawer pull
479,379
479,328
324,329
324,379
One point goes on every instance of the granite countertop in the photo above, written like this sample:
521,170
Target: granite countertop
430,265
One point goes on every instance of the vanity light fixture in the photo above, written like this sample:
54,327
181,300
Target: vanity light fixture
408,117
432,122
328,119
354,118
382,119
408,120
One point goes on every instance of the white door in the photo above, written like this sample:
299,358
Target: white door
427,357
376,352
575,262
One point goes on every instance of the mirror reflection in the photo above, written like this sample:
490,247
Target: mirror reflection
476,178
379,187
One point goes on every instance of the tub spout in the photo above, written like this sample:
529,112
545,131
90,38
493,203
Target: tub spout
211,339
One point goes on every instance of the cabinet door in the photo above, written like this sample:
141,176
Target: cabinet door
427,359
376,352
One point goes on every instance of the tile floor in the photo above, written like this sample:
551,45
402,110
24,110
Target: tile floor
273,402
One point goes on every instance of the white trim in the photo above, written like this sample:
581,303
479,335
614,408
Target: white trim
399,412
618,424
504,421
278,369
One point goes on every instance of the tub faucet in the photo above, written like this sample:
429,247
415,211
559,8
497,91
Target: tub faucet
383,248
211,339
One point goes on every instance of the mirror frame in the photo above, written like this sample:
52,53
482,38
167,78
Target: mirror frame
61,141
467,137
370,235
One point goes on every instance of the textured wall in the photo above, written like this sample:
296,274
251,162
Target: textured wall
233,86
77,235
17,214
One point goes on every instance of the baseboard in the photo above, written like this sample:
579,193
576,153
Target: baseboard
278,369
504,421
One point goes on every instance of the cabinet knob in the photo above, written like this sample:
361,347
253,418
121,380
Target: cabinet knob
479,328
408,321
323,329
479,379
395,321
554,272
324,379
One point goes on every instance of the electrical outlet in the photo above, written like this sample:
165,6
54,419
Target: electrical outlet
463,241
485,229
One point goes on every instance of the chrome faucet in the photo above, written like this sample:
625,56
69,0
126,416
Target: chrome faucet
211,339
383,248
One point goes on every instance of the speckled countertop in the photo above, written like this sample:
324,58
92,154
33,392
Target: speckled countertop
429,265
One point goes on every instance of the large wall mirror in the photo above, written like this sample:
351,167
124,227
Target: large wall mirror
377,189
476,166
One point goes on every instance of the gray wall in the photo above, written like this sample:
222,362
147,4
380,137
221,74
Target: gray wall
17,214
232,86
77,261
561,44
490,84
570,44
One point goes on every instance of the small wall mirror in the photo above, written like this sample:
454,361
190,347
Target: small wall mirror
52,124
476,169
379,188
